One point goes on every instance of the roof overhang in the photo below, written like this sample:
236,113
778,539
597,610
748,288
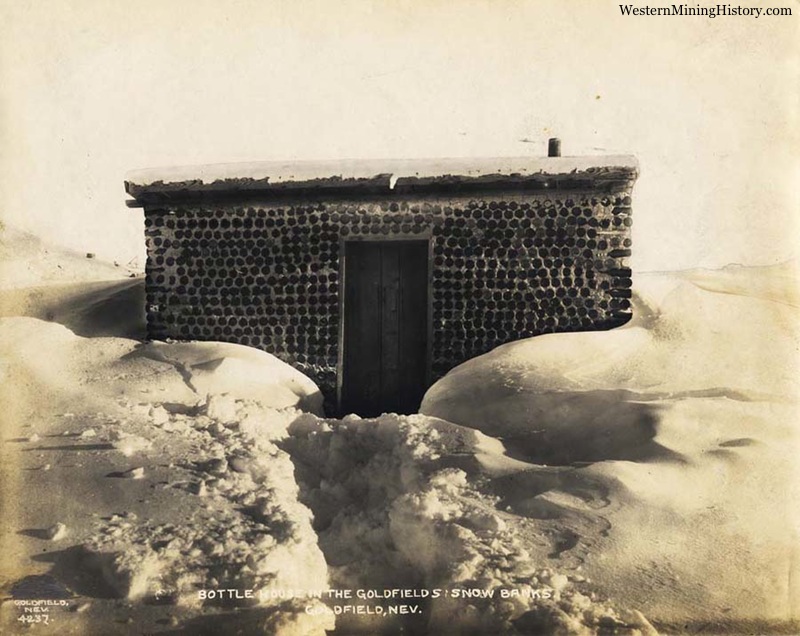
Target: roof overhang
242,181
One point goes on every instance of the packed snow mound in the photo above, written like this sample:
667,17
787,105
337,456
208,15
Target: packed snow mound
680,428
249,533
403,502
600,389
164,490
183,373
248,373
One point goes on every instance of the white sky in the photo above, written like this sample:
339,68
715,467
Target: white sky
90,89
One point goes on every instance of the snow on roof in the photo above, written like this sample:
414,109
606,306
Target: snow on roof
302,171
375,174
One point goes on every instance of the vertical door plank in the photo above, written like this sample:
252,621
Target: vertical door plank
414,321
361,386
390,318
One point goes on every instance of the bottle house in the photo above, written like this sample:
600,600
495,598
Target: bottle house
376,278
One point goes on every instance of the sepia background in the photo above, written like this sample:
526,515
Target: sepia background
677,498
93,89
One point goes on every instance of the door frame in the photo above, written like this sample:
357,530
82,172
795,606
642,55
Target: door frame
420,237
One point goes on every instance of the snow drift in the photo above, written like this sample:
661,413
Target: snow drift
561,484
683,422
183,467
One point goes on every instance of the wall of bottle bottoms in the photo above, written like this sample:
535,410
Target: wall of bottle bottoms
502,267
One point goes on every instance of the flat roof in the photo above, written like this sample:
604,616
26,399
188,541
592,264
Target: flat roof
374,175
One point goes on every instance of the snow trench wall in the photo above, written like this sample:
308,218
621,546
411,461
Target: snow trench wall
505,263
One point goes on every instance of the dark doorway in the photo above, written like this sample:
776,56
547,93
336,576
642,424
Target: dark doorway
385,346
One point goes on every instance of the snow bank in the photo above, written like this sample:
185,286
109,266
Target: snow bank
560,398
250,533
245,372
669,442
168,472
26,261
393,510
181,372
680,429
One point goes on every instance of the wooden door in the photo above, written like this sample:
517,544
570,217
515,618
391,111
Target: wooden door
384,361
